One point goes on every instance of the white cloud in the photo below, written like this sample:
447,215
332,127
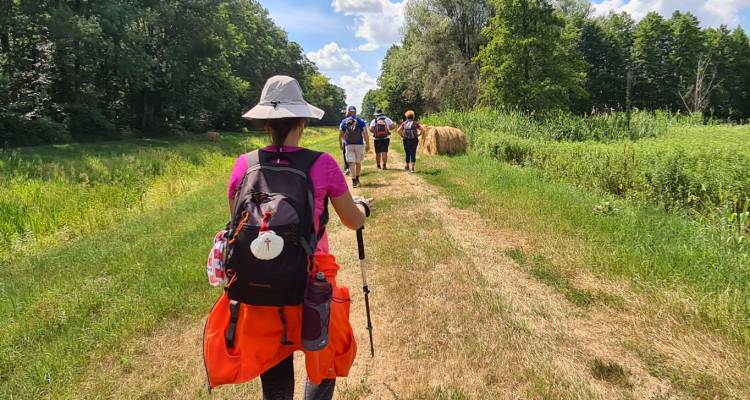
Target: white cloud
356,87
710,12
333,58
367,47
378,22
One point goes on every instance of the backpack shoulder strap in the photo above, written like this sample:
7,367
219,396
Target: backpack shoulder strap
304,159
253,158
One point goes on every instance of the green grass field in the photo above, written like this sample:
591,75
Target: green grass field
686,168
88,263
105,244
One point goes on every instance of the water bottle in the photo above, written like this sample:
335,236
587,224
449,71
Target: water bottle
316,313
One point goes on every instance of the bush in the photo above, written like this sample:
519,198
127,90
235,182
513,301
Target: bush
86,122
15,130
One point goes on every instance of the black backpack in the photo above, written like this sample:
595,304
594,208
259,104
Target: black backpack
410,130
278,197
353,132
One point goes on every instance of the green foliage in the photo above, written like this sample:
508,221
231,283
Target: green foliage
36,131
530,61
327,96
678,164
375,100
88,122
401,90
157,67
433,69
605,45
541,56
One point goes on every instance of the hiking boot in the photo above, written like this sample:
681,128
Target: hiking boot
378,166
384,167
355,183
346,172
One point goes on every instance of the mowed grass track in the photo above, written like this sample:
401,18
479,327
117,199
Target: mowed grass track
70,296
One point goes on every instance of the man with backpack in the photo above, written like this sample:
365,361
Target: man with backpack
353,137
381,128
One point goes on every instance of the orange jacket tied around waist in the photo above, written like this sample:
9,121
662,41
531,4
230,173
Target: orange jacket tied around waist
258,347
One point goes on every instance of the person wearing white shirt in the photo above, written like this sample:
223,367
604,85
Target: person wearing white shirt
381,128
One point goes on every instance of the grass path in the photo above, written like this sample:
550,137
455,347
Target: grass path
464,308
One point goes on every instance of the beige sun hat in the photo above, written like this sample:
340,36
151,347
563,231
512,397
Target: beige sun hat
282,98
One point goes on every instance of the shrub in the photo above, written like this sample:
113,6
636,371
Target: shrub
15,130
87,122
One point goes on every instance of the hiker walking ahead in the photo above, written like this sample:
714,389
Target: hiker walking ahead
410,131
381,128
353,135
282,294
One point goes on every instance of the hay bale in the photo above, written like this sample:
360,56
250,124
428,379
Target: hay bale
442,140
214,136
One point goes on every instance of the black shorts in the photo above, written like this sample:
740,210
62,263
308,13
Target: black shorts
381,145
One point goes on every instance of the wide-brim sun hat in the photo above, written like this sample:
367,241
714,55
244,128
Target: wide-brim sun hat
282,98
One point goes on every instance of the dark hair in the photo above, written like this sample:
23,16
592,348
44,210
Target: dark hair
280,128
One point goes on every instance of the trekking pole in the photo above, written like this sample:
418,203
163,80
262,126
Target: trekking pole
365,288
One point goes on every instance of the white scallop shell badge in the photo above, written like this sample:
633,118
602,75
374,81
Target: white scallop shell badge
267,246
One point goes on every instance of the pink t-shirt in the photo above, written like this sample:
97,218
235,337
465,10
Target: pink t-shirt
326,177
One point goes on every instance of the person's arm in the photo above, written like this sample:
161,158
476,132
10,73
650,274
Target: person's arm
401,130
352,215
341,139
232,202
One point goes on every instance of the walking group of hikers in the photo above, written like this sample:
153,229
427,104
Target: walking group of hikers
354,138
273,258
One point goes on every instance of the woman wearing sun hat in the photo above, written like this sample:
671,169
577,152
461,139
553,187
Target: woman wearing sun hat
264,338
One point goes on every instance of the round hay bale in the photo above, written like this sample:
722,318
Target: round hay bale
214,136
427,141
442,140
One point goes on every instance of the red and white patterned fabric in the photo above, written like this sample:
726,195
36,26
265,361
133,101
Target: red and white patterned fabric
215,264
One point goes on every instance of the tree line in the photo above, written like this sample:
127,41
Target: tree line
543,56
88,70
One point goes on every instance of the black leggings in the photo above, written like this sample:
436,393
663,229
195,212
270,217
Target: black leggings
278,384
410,148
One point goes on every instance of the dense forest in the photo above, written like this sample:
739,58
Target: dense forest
548,56
88,70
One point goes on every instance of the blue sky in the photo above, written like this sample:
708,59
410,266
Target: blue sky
347,39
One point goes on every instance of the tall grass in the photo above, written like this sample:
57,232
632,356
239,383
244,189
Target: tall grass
676,163
55,193
139,223
565,126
